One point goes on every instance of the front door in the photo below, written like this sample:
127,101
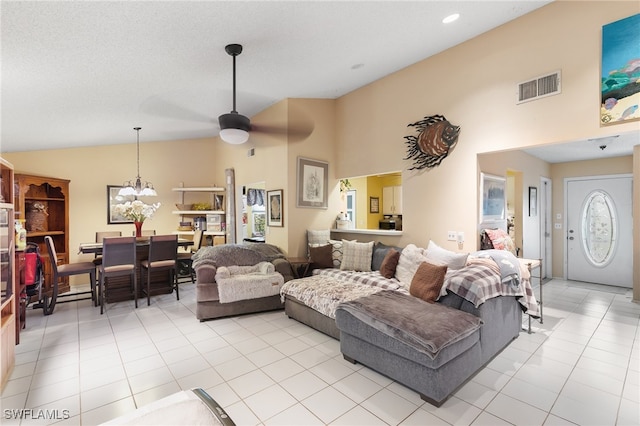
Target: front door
599,230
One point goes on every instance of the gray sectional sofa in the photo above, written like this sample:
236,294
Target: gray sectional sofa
432,348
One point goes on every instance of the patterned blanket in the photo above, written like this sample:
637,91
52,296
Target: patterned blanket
480,280
477,282
367,278
323,293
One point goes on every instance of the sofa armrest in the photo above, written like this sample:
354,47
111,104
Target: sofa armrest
206,273
284,267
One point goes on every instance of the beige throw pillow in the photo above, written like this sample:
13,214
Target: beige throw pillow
441,255
356,256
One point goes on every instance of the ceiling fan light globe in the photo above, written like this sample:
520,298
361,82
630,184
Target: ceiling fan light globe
234,136
234,128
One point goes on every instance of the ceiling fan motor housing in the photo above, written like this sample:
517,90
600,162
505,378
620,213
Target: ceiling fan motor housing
233,120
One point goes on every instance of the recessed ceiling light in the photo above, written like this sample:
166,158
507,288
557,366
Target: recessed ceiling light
451,18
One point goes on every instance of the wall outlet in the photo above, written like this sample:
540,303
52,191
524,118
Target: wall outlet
557,225
452,235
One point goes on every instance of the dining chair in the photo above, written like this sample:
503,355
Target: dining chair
185,257
67,270
118,260
100,236
163,256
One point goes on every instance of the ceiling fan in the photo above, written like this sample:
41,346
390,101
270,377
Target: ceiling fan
234,127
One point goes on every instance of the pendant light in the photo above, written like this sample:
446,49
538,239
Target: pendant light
136,187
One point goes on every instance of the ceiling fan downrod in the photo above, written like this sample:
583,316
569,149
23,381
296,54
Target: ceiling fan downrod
234,127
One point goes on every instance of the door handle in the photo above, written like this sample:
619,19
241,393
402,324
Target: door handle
571,238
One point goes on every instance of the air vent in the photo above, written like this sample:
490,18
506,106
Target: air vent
539,87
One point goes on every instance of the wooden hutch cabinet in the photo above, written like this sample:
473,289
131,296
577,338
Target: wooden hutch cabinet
8,294
43,204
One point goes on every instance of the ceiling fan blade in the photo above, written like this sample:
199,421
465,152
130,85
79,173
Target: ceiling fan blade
295,133
160,107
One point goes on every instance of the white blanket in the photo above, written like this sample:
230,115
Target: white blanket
248,282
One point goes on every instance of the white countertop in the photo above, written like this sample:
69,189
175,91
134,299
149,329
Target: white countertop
368,231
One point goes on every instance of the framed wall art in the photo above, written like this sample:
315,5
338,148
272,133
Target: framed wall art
620,91
374,204
533,201
493,200
312,183
274,208
113,199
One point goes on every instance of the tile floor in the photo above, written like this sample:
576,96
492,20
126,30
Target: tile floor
582,366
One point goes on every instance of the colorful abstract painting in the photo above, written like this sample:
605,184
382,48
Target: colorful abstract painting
620,82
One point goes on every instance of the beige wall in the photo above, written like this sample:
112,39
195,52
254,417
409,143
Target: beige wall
91,169
475,85
362,133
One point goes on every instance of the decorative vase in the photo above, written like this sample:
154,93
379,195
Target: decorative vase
138,228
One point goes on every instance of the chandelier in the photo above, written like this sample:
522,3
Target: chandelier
137,187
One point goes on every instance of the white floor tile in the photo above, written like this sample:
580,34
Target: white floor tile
358,416
250,383
357,387
328,404
515,412
582,366
270,402
389,406
303,385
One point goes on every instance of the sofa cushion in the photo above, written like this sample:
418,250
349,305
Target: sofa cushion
410,258
409,327
390,263
427,281
356,256
452,259
321,256
380,250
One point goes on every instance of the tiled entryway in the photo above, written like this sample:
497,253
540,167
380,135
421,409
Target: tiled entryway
582,366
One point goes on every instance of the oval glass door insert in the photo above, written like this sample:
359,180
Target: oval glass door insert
599,228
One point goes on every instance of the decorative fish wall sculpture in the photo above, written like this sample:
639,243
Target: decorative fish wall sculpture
435,140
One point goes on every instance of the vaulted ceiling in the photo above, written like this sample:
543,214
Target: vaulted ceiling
81,73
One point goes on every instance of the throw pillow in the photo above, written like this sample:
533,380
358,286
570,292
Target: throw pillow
452,259
410,258
320,257
427,281
317,237
501,240
356,256
337,253
380,250
390,263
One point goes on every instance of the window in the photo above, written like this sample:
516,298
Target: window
351,206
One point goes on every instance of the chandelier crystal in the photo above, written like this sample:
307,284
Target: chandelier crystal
137,187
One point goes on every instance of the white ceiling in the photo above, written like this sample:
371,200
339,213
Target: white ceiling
80,73
616,145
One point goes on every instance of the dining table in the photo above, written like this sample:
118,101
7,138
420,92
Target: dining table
121,288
